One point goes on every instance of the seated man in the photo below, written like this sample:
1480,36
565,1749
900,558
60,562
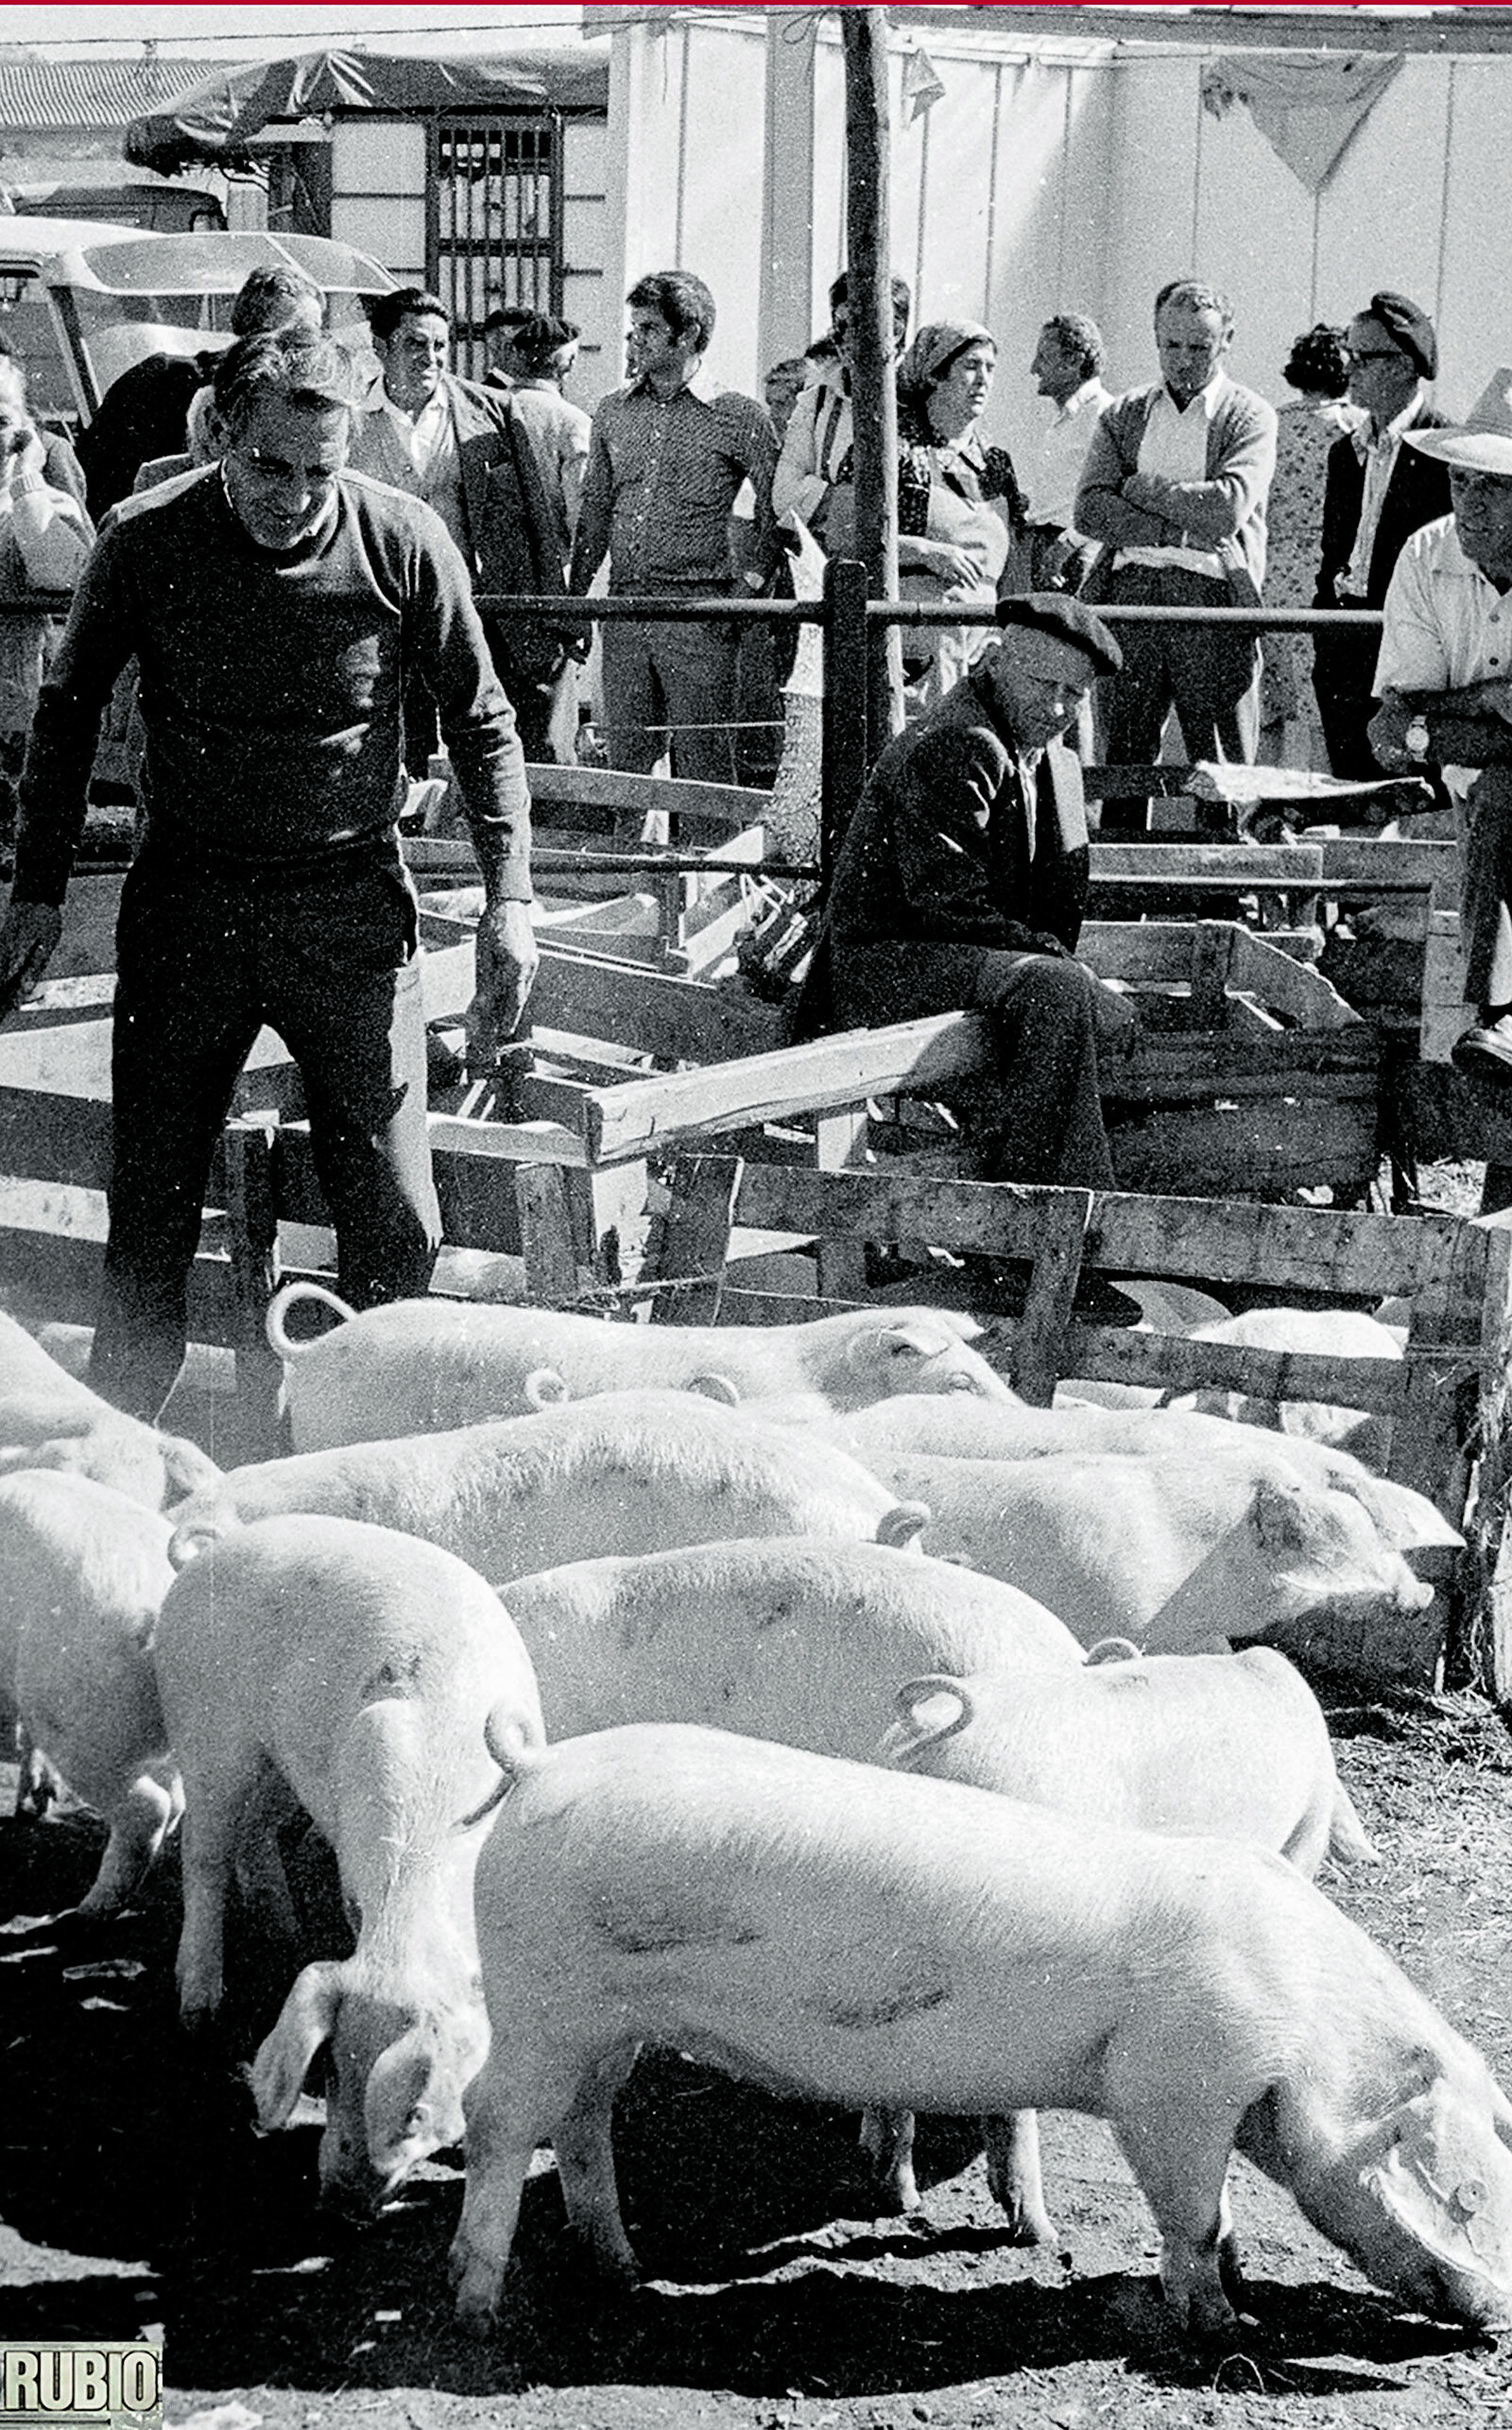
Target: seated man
961,883
1443,682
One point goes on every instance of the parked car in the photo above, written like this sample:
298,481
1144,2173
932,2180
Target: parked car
162,203
81,300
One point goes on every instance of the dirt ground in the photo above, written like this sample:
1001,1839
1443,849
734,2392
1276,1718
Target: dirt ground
135,2199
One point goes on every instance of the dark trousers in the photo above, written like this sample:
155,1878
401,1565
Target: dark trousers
1344,671
328,959
1485,893
1041,1118
1210,678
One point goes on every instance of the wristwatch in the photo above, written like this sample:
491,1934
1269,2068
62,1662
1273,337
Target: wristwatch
1417,741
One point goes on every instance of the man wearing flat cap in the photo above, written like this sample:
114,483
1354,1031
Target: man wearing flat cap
961,883
1377,491
1444,679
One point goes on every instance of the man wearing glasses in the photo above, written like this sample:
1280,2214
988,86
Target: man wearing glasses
1377,492
274,603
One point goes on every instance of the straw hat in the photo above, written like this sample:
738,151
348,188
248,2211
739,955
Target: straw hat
1483,442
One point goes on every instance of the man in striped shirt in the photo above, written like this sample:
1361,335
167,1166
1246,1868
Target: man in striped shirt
668,456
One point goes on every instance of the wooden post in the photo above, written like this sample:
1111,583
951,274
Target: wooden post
845,753
873,398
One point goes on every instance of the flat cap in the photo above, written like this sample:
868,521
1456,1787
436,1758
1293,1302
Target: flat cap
1064,619
1409,326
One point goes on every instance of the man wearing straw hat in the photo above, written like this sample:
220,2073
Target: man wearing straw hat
1444,679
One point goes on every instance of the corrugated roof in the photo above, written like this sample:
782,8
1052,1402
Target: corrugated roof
36,93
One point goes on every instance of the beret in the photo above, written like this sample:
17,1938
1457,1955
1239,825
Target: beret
1411,328
1065,620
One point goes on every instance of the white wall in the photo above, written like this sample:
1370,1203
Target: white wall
1036,184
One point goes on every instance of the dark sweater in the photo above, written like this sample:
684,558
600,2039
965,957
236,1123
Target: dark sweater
270,686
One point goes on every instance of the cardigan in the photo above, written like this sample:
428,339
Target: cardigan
1228,505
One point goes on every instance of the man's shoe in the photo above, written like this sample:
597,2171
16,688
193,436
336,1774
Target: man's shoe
1485,1053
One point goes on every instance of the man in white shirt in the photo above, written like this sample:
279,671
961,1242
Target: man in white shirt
1444,679
818,438
1068,368
1376,493
464,450
1175,483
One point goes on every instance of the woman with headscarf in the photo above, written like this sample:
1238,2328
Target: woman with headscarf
959,504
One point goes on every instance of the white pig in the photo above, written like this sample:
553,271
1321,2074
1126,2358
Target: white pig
357,1666
957,1427
1179,1556
1327,1333
795,1638
82,1572
49,1418
1227,1746
633,1471
416,1365
853,1935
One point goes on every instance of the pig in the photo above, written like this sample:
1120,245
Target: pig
1328,1333
795,1638
49,1418
419,1365
1177,1555
82,1572
853,1935
1227,1746
962,1429
357,1667
632,1471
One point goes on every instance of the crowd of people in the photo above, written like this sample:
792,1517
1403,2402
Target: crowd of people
293,598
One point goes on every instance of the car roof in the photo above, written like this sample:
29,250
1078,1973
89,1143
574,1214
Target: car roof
136,261
31,241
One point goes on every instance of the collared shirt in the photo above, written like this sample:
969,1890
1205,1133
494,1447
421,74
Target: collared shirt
663,473
1176,446
417,455
1062,453
1378,451
1445,623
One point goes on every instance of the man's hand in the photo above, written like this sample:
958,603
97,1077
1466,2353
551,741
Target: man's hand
28,940
1387,736
506,964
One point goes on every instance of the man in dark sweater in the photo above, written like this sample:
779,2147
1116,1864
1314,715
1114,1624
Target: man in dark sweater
274,603
961,883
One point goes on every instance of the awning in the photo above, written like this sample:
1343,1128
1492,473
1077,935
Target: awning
217,119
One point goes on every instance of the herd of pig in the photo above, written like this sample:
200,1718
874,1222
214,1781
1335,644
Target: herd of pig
794,1697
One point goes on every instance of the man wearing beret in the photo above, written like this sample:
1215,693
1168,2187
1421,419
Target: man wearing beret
1445,685
1377,492
961,883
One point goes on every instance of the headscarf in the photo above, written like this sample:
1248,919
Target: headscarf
934,350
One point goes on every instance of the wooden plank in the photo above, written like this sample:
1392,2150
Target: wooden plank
552,1278
1040,1336
1378,860
675,1019
1337,1254
1212,950
1281,983
1180,1364
1243,867
694,1241
614,790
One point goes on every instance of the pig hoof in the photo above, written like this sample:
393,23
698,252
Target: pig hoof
1024,2229
476,2316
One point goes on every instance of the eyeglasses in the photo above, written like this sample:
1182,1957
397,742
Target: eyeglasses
1374,355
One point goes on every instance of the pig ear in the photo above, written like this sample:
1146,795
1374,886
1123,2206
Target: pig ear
1415,2179
411,2094
1279,1518
306,2020
911,1340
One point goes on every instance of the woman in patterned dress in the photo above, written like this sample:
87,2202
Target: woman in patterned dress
1305,430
